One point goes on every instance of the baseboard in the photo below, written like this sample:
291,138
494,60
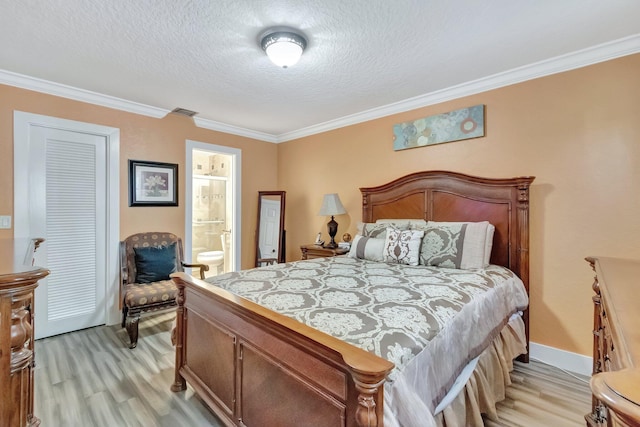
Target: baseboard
562,359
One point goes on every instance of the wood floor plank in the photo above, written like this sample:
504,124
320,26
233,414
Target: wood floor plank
543,395
92,378
135,413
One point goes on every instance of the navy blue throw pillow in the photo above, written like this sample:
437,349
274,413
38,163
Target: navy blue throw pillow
155,263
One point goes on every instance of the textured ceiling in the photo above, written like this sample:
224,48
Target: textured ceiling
203,55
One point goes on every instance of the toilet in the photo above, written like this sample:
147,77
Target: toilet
214,259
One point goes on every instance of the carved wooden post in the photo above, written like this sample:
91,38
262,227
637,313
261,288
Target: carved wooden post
366,209
18,281
366,412
523,250
368,385
523,240
597,409
179,383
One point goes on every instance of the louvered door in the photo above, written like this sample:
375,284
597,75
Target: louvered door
68,208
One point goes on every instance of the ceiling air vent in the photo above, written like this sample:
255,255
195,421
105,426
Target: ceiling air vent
184,112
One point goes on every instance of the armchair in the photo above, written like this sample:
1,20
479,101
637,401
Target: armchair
146,260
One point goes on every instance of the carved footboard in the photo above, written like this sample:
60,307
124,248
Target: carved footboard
254,367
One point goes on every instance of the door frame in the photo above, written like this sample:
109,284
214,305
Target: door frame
22,123
236,186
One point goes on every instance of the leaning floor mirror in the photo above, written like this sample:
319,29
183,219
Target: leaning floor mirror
270,235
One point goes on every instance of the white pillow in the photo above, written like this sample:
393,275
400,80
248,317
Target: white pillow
368,248
488,243
402,246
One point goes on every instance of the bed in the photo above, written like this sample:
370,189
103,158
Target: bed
255,366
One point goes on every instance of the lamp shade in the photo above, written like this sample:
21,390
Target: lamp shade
331,205
283,46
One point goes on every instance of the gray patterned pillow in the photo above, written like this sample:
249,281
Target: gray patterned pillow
402,246
368,229
460,245
403,224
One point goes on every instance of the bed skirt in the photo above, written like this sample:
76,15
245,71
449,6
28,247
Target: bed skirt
479,391
488,382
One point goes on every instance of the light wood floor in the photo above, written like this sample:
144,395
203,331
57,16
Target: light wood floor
92,378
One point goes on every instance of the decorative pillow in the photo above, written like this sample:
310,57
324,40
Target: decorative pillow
402,246
462,245
478,228
403,224
379,230
368,248
488,243
155,263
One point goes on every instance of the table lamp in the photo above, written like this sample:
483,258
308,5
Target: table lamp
331,205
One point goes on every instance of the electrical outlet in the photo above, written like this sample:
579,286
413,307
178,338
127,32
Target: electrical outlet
5,221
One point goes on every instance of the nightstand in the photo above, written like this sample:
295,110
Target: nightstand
315,251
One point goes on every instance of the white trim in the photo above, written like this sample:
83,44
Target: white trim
114,315
234,130
236,189
77,94
582,58
562,359
22,122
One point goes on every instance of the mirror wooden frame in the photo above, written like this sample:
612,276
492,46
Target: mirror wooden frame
280,257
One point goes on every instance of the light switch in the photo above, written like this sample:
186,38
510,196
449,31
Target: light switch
5,221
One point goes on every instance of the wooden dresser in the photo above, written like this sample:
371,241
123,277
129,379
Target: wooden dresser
616,344
18,280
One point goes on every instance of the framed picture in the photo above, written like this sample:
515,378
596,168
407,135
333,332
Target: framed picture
153,183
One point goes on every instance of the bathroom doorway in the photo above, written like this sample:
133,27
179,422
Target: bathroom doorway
212,213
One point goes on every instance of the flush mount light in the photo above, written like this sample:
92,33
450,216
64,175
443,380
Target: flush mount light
283,46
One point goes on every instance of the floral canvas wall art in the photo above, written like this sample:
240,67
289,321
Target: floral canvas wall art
457,125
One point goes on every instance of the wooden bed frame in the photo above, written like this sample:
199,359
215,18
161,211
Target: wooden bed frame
255,367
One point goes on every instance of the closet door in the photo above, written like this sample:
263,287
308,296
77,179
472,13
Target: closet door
67,206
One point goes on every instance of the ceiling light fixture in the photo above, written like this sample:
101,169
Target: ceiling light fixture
283,46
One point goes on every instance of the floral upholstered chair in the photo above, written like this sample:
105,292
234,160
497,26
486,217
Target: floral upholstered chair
146,261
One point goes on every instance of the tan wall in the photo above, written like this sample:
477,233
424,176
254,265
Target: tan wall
142,138
578,132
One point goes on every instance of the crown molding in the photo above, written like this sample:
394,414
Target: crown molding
64,91
582,58
234,130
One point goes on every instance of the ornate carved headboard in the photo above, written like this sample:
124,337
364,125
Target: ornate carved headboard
451,196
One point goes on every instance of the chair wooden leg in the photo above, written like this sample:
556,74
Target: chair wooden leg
132,328
124,315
